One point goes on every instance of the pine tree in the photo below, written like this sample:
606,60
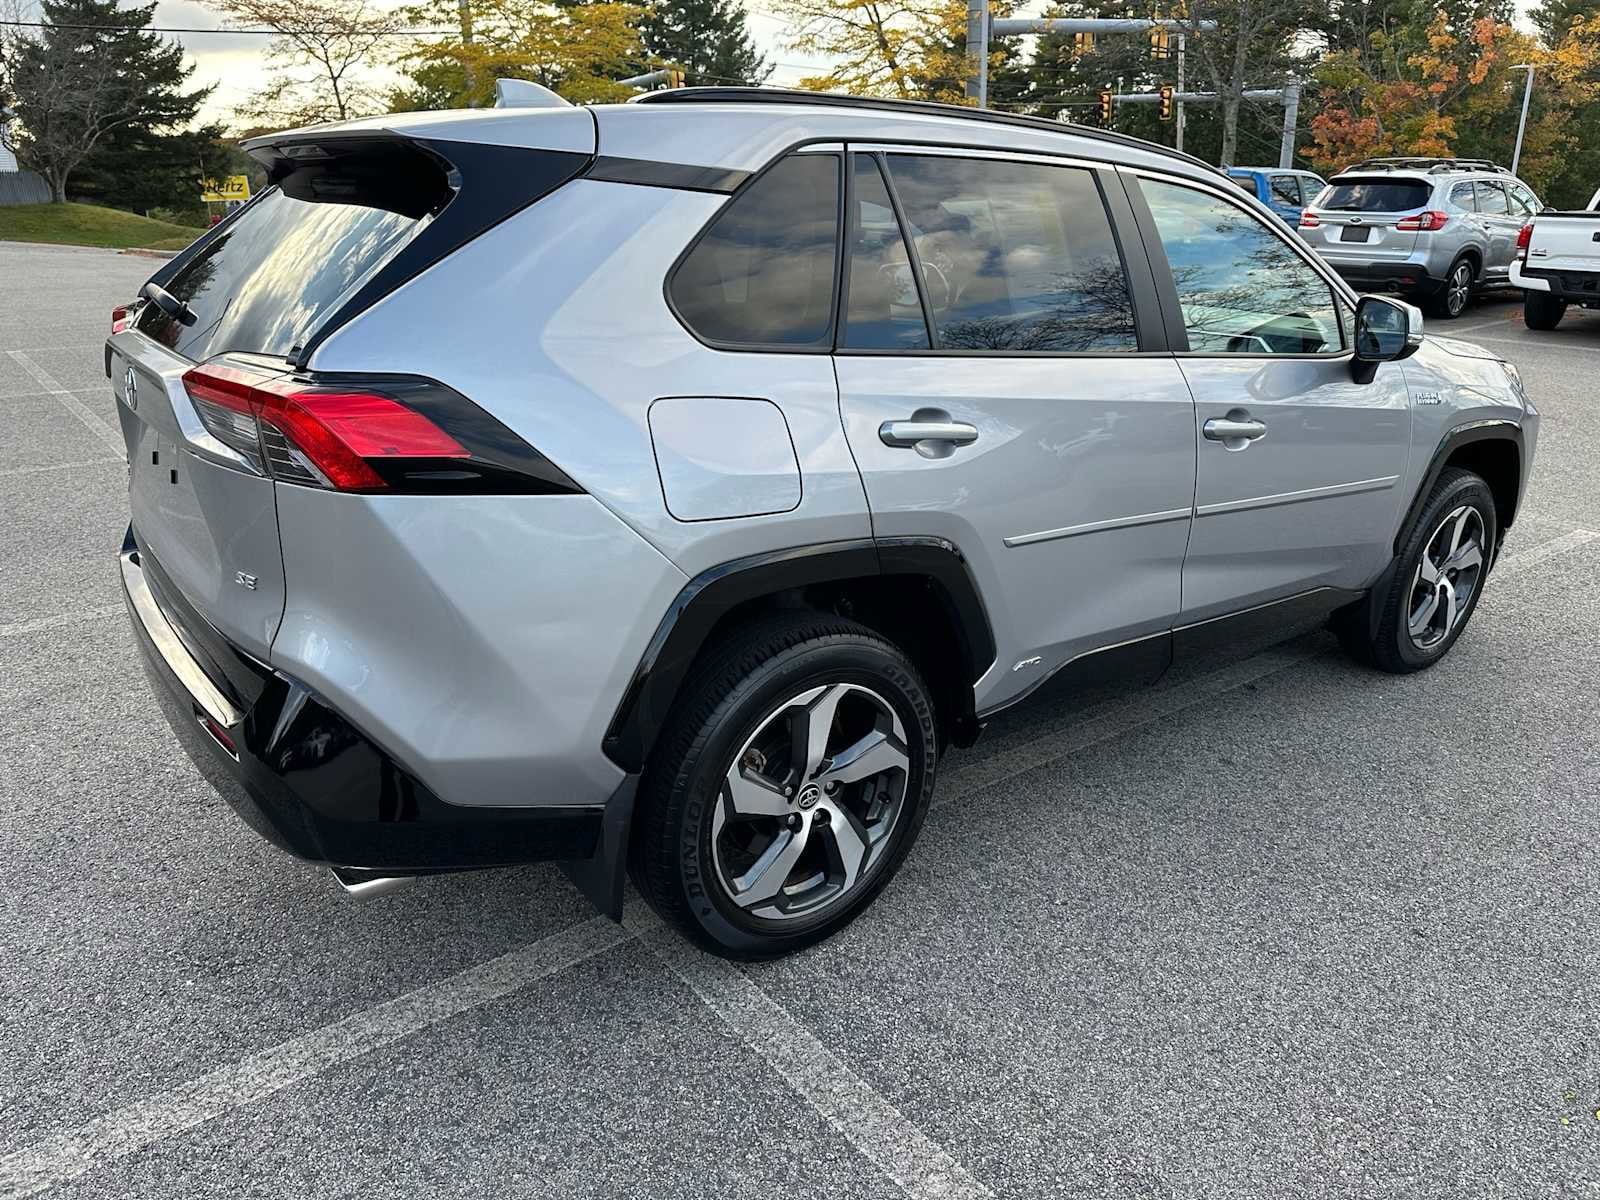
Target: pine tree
93,79
709,39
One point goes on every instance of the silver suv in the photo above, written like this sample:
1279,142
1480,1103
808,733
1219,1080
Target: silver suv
1432,229
670,484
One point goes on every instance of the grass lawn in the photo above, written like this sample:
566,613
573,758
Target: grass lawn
90,225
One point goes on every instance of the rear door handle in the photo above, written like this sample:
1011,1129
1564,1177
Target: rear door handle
919,429
1235,432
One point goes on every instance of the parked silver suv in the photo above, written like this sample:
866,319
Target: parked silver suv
671,483
1432,229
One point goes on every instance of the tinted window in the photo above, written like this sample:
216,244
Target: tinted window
1375,195
266,282
884,312
1015,256
1492,198
1242,288
762,275
1461,195
1286,188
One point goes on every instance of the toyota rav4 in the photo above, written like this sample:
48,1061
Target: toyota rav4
668,485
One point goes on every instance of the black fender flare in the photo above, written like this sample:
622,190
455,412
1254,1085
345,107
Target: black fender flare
716,591
1490,430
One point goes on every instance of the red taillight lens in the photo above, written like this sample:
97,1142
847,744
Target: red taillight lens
304,434
1309,220
1524,239
119,317
1424,222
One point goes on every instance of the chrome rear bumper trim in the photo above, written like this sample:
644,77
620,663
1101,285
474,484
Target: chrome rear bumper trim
172,650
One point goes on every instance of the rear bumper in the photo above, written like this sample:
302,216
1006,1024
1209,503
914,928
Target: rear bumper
1400,276
306,779
1575,287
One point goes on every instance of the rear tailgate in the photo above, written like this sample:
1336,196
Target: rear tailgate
353,212
211,527
1565,242
1357,218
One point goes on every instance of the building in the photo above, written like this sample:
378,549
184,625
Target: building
8,160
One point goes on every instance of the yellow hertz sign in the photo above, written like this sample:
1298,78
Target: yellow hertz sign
234,187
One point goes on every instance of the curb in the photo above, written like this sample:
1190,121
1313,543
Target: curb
150,253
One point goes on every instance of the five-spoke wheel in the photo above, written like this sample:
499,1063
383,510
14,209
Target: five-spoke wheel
1446,575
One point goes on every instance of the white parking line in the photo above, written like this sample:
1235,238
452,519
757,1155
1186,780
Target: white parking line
60,466
915,1162
17,628
129,1129
1518,561
1543,343
72,404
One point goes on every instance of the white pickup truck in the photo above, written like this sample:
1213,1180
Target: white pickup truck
1558,263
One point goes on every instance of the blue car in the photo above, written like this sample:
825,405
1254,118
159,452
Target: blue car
1284,192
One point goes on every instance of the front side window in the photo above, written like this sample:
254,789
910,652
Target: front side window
1016,257
1286,188
1242,288
884,311
1523,202
1492,198
762,273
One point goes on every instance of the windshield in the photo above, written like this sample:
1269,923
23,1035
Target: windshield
1375,195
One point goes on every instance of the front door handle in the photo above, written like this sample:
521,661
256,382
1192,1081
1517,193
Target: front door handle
931,432
1235,431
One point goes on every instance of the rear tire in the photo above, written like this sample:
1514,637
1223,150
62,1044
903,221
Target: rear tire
1434,587
1541,310
788,787
1450,301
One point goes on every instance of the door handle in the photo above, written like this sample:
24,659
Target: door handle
931,434
1235,431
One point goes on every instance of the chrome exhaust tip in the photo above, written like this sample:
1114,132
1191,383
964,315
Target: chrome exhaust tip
368,885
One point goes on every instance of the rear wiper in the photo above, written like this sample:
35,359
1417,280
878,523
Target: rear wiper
168,303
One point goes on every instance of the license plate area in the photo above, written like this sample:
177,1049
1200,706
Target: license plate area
1354,233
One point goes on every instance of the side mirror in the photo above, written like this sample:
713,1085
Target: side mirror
1386,331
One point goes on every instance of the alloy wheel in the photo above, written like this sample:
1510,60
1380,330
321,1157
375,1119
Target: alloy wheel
805,812
1460,289
1447,575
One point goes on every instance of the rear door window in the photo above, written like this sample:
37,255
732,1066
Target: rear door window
1016,257
264,284
762,273
884,311
1492,198
1375,195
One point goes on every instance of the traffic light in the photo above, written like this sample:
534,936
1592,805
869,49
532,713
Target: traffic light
1166,103
1160,42
1105,107
1082,43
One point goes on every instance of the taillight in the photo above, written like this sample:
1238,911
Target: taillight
119,317
352,439
1424,222
1524,239
1309,220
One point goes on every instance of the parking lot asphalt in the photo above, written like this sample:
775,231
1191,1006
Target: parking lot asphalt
1278,927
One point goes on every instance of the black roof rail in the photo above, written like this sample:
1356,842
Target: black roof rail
766,95
1429,163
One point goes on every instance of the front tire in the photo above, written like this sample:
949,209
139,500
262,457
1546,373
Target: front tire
1452,299
1541,310
1434,587
788,788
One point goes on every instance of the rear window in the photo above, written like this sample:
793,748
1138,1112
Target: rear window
1375,195
288,261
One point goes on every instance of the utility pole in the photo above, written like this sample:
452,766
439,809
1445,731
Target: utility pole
1522,124
978,52
464,8
1178,118
1291,114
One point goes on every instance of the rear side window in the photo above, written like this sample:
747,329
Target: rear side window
1015,257
285,264
1492,198
884,312
1461,195
761,275
1375,195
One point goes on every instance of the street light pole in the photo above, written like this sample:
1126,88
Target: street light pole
1522,124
